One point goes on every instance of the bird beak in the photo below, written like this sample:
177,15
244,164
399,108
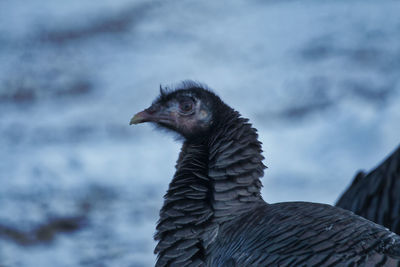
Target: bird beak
140,117
155,113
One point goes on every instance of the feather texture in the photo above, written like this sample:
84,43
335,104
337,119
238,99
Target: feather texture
213,213
376,195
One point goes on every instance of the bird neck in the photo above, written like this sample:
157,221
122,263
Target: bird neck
217,179
234,166
184,229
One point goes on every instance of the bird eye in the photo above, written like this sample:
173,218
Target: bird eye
186,106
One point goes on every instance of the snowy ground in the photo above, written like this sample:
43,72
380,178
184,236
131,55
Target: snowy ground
319,79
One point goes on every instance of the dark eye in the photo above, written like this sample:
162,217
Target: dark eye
186,106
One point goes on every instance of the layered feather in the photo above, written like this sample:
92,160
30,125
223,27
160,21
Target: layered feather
376,195
213,213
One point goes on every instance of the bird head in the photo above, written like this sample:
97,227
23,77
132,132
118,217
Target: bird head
188,110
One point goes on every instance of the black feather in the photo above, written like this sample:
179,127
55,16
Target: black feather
213,213
376,195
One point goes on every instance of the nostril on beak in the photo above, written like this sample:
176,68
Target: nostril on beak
152,109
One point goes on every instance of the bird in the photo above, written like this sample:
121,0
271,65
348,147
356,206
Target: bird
376,195
213,212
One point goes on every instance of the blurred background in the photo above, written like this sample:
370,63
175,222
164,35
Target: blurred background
80,187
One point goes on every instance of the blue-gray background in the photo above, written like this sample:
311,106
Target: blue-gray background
319,79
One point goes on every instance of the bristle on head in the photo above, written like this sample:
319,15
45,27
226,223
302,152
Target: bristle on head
166,92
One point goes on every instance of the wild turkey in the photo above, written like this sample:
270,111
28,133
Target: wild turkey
214,215
376,195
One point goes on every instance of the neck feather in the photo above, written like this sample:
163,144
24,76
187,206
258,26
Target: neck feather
235,167
216,180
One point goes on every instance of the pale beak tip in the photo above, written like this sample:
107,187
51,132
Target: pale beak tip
139,118
135,120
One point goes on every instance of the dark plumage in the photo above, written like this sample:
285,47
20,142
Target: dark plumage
376,195
213,213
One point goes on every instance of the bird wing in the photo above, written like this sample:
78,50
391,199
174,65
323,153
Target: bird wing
376,195
303,234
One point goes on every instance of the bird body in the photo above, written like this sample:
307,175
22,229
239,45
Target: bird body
214,215
303,234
